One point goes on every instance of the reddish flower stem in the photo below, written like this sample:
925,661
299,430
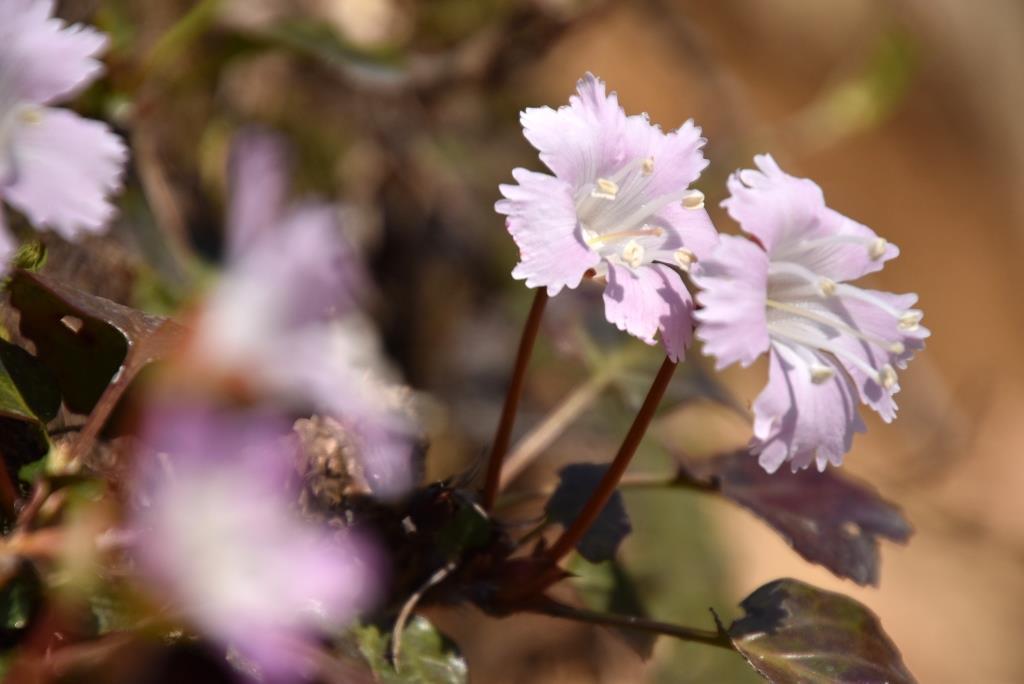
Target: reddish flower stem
572,535
503,435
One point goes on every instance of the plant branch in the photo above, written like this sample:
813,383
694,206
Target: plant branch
28,514
515,390
541,437
572,535
701,636
629,481
8,491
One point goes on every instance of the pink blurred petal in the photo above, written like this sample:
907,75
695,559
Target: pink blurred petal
218,535
259,176
42,59
8,245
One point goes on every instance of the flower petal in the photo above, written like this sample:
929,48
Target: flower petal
649,299
676,322
732,320
677,156
873,321
258,171
837,259
689,228
8,246
218,534
542,221
776,208
789,217
301,273
802,421
42,59
581,141
64,168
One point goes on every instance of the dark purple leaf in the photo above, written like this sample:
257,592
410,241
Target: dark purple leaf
576,483
95,347
793,633
85,339
827,518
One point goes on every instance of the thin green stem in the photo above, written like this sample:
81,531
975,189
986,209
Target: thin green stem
701,636
503,435
575,532
177,39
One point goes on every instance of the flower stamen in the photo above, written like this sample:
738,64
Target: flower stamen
693,200
633,253
821,373
605,189
594,239
910,321
684,258
877,250
831,322
884,376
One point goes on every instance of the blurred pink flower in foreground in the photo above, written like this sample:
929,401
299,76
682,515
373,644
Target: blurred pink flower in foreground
217,532
785,292
55,167
284,316
619,204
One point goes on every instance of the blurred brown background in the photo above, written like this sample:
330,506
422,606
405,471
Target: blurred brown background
907,112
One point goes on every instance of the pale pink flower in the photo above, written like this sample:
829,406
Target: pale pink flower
284,316
219,541
831,344
620,204
55,167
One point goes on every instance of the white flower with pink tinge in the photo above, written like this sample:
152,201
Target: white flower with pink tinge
55,167
786,292
285,314
219,539
619,204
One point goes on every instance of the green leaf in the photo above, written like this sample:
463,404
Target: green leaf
469,528
608,588
31,256
28,391
20,599
427,656
793,633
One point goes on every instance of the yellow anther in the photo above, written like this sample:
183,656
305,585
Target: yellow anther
606,189
877,249
693,199
648,166
684,258
633,253
827,286
820,374
910,321
887,377
30,116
